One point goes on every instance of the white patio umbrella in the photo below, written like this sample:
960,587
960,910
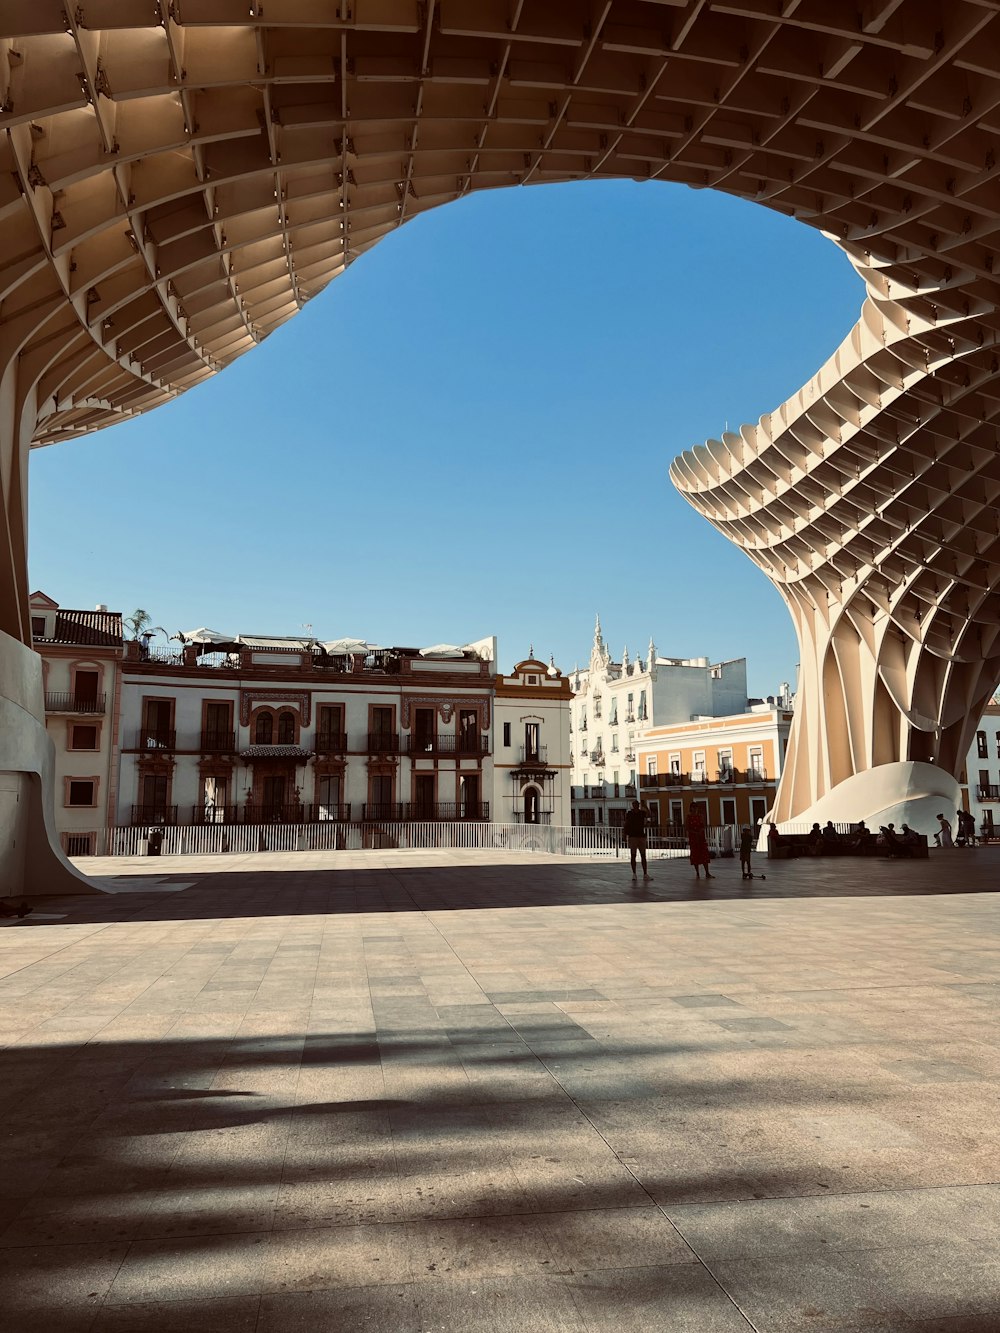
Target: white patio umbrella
204,635
345,646
442,650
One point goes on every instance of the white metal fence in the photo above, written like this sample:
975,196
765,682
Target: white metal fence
206,839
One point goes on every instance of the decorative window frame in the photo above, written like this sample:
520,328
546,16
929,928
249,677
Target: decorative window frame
279,700
71,726
94,778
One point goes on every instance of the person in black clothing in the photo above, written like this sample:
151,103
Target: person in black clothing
746,850
634,829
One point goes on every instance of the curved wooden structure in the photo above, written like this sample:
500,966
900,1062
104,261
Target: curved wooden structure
181,176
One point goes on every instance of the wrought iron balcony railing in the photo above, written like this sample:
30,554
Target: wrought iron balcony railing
699,778
215,814
383,810
330,742
291,813
155,738
154,814
218,742
382,742
477,744
65,701
989,793
534,754
421,811
323,813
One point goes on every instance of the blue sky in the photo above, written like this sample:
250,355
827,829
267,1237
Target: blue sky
469,433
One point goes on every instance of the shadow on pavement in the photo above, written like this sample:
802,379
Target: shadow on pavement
246,893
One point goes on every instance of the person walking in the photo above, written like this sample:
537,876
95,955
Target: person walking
634,828
966,829
943,836
698,842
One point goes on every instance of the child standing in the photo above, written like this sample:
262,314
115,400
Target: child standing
746,848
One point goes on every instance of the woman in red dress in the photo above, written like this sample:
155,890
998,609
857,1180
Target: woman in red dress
698,842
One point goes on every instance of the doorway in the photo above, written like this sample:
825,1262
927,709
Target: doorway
423,796
531,806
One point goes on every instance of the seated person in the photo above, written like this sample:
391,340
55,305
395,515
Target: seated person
815,840
831,837
774,840
888,839
861,836
910,841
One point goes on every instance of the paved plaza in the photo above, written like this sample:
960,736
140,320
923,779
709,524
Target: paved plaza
484,1093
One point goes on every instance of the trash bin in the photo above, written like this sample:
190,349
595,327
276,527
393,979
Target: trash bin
154,843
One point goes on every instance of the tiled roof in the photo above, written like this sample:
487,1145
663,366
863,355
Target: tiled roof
275,752
99,629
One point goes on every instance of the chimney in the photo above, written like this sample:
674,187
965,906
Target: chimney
101,606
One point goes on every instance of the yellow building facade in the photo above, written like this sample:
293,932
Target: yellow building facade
729,766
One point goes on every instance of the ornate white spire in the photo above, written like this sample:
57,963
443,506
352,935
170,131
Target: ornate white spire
599,655
625,658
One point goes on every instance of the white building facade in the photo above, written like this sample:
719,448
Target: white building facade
531,760
263,730
982,773
615,702
272,730
81,655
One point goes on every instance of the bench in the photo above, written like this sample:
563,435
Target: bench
847,844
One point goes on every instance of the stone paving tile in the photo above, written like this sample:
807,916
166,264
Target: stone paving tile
384,1309
262,1102
234,1315
671,1299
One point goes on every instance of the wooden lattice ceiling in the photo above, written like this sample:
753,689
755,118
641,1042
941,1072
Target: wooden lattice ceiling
180,178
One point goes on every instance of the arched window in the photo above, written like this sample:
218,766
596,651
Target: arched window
286,728
265,728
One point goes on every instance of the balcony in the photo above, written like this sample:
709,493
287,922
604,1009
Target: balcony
330,742
274,814
65,701
699,778
426,811
988,793
214,814
155,738
154,814
270,814
538,754
597,757
390,810
324,813
382,742
460,745
218,742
